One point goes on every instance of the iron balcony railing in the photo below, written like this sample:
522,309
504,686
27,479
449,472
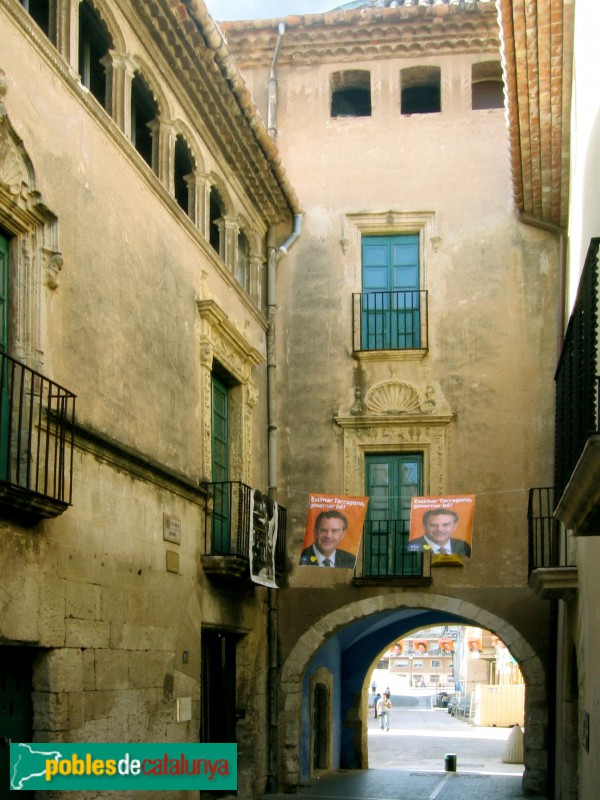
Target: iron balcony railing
231,529
577,375
384,551
36,439
389,321
548,538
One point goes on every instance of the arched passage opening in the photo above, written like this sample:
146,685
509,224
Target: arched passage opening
343,646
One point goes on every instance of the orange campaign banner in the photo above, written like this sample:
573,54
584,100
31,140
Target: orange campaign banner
442,525
333,530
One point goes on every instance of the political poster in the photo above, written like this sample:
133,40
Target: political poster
333,530
442,525
262,539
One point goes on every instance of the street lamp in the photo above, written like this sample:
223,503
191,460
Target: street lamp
410,680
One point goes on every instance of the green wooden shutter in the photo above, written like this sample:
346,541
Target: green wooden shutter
391,481
4,393
391,283
221,517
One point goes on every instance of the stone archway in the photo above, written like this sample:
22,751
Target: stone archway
536,714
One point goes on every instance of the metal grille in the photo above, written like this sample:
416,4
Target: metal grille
548,538
229,523
576,375
389,321
36,432
384,551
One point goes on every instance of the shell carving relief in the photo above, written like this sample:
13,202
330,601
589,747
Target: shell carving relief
13,173
394,397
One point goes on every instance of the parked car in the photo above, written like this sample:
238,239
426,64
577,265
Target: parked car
452,702
463,707
442,700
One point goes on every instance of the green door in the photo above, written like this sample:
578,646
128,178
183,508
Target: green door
391,298
4,394
391,481
221,539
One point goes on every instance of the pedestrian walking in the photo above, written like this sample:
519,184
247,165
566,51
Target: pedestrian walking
375,701
384,704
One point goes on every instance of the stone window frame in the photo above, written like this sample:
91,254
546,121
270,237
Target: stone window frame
221,341
392,223
35,260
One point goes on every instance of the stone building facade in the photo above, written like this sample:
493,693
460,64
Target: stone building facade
391,124
141,201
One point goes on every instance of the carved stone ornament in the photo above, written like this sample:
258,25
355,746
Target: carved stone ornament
54,264
395,397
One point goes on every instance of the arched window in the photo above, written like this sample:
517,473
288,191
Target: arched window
143,113
94,44
216,214
184,169
351,93
487,85
420,90
43,12
242,273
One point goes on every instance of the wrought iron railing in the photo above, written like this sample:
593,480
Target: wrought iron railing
230,528
36,436
548,538
389,321
576,375
385,553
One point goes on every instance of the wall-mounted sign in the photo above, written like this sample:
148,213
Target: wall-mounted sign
171,529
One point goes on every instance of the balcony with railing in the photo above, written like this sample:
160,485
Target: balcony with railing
385,558
577,449
237,533
391,321
552,570
36,441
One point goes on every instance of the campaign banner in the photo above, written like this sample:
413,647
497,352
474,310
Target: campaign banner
442,525
333,530
262,538
57,766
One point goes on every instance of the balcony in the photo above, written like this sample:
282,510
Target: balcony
36,441
390,321
577,456
385,559
552,570
236,530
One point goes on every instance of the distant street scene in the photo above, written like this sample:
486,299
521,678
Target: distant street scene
420,737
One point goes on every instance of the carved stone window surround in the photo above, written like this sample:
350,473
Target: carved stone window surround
221,340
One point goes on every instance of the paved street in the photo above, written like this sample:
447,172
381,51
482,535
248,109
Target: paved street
408,762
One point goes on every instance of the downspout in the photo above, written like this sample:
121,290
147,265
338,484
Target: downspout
272,93
553,615
274,254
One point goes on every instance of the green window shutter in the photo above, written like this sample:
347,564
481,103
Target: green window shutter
3,294
221,516
391,298
391,481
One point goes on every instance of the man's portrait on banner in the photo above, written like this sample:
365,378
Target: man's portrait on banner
442,525
333,531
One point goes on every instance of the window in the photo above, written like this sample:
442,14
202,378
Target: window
94,45
391,481
184,169
221,517
144,112
391,300
243,261
435,664
417,665
420,90
42,12
351,93
487,85
216,214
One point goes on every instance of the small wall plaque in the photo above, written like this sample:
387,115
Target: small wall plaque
171,529
172,561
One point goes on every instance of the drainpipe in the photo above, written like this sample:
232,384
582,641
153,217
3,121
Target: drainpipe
272,95
553,616
274,254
